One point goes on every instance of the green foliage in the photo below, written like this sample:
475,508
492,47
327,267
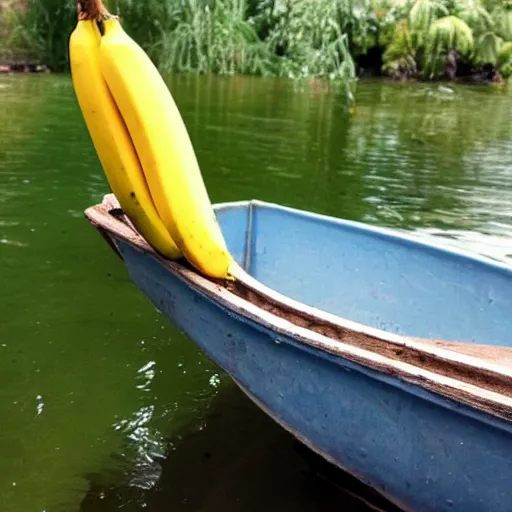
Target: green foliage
296,39
307,38
287,38
446,33
399,58
487,49
275,38
475,15
431,29
41,32
213,38
146,20
502,20
504,60
423,13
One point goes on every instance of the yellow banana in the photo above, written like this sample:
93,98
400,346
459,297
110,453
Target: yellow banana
112,140
165,151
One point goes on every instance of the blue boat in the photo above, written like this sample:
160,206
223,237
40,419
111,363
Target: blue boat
389,357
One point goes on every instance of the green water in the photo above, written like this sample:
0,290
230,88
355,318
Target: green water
93,380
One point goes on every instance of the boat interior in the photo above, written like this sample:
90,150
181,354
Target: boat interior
371,276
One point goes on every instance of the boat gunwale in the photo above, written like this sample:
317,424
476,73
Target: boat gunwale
497,404
383,232
402,341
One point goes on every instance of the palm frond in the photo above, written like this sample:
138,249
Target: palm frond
476,17
502,17
447,33
424,12
451,32
487,48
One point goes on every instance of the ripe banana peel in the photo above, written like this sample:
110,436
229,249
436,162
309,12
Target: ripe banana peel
112,141
164,149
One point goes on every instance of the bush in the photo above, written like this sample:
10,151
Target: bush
291,38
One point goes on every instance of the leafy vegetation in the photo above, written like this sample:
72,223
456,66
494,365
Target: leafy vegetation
299,38
331,39
38,31
451,37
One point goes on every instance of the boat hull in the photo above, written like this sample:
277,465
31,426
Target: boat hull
422,451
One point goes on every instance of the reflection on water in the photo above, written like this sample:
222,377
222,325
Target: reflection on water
94,383
237,458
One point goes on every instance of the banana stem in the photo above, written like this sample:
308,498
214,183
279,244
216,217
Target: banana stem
91,10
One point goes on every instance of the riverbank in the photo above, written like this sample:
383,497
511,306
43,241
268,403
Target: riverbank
23,67
449,40
487,76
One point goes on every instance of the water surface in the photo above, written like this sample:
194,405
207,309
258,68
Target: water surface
97,389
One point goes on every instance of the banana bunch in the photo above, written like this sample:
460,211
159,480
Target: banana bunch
142,143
